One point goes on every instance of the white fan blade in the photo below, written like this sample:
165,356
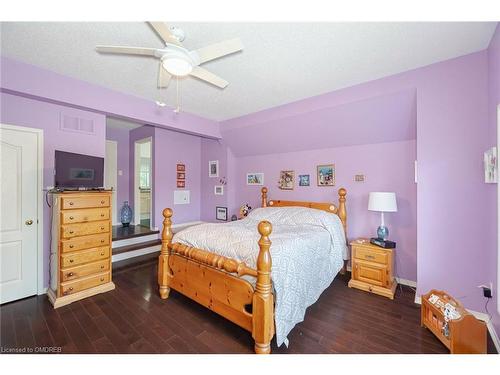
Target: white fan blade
209,77
164,32
163,77
126,50
214,51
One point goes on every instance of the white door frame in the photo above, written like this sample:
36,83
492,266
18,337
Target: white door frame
39,216
137,159
498,213
114,214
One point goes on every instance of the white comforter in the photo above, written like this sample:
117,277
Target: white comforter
307,251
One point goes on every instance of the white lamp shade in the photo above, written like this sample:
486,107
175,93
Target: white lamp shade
382,202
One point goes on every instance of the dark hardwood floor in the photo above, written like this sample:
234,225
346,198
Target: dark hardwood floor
133,319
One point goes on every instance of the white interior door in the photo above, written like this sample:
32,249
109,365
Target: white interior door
19,214
110,175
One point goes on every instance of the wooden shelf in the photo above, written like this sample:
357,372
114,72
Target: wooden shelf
465,334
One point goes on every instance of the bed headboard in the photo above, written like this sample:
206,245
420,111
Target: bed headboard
339,210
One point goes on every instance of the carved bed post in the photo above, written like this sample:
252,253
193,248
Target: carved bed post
263,305
164,272
342,212
264,197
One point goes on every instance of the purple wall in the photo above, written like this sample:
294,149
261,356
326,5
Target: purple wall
28,80
21,111
171,148
453,202
121,136
494,101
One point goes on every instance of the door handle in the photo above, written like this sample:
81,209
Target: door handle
28,222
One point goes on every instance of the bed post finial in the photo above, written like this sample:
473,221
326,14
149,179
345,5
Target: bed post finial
264,197
342,212
262,304
164,272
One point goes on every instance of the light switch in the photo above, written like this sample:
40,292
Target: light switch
181,197
120,172
359,178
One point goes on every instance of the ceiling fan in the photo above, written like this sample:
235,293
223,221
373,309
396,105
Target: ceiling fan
175,60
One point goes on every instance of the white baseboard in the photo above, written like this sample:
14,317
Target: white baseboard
481,316
42,291
134,240
135,253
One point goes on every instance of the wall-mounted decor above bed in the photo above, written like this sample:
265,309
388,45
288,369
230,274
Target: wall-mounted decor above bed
287,180
304,180
213,168
255,178
326,175
238,273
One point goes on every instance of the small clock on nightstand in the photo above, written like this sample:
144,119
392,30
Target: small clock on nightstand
372,268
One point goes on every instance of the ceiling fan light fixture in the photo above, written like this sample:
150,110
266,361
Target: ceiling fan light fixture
177,66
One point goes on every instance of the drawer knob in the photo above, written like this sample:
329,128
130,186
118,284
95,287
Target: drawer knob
102,228
68,291
369,257
70,274
102,202
102,278
102,215
71,246
71,203
71,232
102,241
71,217
71,260
102,267
102,253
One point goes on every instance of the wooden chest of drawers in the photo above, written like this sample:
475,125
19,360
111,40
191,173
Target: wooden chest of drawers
80,261
372,268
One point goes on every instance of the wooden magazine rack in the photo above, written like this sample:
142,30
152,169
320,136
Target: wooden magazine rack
466,335
215,281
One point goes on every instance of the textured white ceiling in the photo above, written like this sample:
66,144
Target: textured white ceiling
281,62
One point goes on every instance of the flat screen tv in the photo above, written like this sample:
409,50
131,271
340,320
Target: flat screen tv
77,171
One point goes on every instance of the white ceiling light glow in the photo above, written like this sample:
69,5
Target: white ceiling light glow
177,66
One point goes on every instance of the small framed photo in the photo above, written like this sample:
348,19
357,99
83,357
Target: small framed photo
255,178
213,168
181,175
304,180
221,213
181,184
287,180
219,190
490,166
326,175
181,168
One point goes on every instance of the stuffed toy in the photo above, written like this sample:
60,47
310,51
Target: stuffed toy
244,210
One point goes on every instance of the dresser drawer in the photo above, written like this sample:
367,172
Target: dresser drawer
82,216
71,287
85,242
371,255
84,256
83,229
69,203
369,272
72,273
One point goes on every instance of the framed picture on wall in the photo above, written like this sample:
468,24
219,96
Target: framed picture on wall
213,168
255,178
221,213
286,180
326,175
181,175
219,190
181,184
181,168
304,180
490,166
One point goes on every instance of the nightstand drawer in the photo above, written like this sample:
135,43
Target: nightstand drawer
369,272
370,255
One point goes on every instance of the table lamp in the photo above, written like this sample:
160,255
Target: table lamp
382,202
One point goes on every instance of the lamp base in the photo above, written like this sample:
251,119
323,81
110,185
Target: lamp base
383,232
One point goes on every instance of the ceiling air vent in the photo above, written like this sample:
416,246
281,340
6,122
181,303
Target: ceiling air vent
76,124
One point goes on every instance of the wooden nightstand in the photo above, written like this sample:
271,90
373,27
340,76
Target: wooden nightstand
372,268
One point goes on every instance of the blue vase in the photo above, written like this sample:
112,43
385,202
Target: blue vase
125,214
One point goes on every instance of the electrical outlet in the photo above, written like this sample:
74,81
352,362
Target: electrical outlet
487,290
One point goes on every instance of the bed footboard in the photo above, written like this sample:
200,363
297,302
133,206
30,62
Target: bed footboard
214,282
